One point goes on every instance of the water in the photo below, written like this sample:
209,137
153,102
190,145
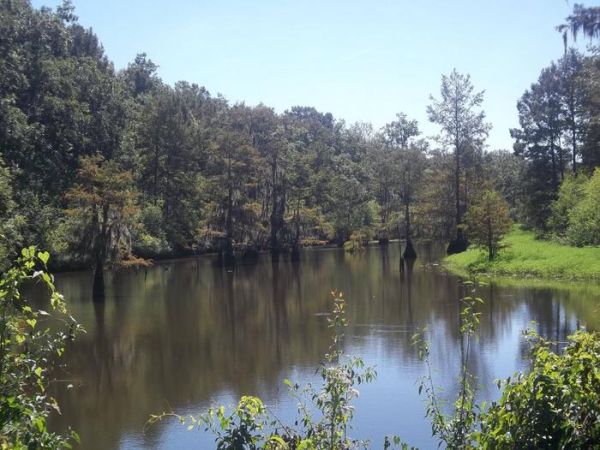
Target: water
186,335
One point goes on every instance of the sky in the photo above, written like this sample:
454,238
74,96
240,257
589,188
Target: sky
360,60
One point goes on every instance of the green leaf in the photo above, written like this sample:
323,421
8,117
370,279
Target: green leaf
44,257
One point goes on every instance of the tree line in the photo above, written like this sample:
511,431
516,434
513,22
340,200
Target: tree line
98,165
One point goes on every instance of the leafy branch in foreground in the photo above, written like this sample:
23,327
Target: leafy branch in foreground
454,430
555,405
29,339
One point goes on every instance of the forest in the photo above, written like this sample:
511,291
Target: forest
112,168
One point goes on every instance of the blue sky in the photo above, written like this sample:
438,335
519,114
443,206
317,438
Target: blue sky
360,60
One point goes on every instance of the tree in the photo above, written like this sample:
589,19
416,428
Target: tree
570,194
574,96
102,213
168,151
506,171
434,213
267,137
487,221
407,164
589,81
464,130
583,20
304,219
554,120
584,216
11,222
232,216
140,76
348,205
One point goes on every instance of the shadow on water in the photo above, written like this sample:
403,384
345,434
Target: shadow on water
186,334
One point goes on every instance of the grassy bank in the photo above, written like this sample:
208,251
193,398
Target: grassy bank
524,256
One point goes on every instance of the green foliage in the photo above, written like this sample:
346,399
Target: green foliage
102,209
150,237
569,195
218,176
11,223
584,217
526,256
556,405
507,173
487,221
209,175
464,129
356,242
557,133
575,216
29,339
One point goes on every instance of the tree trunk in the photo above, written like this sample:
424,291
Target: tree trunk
296,246
490,239
274,209
573,128
229,257
459,243
554,169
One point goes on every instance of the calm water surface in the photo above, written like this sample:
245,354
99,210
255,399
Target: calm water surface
187,335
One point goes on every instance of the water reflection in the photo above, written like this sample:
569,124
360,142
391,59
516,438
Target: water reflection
187,334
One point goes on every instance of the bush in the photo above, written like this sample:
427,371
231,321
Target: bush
557,405
575,213
584,217
570,193
356,242
27,345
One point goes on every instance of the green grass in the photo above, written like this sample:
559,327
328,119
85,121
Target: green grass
526,257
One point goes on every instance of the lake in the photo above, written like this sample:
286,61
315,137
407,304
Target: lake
186,334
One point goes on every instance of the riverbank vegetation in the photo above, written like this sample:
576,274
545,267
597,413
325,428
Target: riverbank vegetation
200,173
197,173
524,255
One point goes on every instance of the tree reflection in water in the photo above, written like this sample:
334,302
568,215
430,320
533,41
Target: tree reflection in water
188,333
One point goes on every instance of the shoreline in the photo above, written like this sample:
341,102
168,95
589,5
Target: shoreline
525,258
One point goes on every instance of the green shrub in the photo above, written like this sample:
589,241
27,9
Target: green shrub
29,339
556,405
488,220
356,242
569,195
584,217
